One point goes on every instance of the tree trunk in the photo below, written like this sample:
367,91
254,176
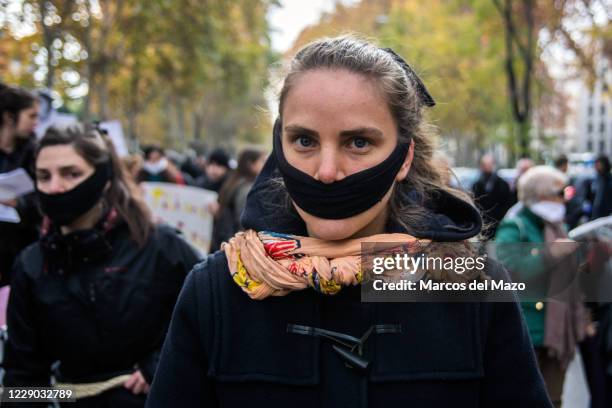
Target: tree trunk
90,69
103,109
197,124
517,52
180,123
48,38
132,139
169,127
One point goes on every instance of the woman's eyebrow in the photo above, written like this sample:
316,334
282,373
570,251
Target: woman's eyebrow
300,129
61,169
364,131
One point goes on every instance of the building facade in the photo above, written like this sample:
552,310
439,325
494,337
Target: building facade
594,130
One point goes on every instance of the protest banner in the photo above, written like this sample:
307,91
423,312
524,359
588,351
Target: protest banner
183,207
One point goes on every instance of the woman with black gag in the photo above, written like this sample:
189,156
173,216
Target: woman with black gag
91,300
256,323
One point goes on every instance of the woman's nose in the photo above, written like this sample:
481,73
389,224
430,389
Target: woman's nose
328,170
55,186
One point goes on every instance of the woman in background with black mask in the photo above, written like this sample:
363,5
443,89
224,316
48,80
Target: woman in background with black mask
18,119
94,296
256,324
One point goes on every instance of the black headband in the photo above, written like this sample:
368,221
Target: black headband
424,96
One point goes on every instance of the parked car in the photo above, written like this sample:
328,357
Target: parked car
464,177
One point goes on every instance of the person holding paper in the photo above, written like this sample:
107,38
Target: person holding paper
18,119
93,297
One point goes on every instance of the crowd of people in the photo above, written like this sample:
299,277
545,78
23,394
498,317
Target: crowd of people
539,208
586,199
123,309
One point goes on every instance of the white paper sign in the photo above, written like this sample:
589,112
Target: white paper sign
115,132
185,208
14,184
57,119
9,214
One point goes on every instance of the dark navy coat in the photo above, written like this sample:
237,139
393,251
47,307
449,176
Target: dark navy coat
93,306
225,350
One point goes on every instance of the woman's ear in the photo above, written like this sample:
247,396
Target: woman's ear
403,172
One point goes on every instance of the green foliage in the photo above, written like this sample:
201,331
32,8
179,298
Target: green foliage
450,44
171,70
458,48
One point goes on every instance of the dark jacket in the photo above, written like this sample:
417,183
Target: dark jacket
224,349
227,221
207,184
494,198
600,194
15,237
94,301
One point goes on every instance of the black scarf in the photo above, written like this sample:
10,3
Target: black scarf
62,253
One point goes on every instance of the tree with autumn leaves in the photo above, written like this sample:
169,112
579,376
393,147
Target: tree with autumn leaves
172,70
181,70
482,59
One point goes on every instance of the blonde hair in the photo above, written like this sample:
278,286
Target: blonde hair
538,182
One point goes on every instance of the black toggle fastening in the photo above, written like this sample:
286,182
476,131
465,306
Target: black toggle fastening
352,347
351,359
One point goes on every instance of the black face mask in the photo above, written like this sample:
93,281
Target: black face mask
341,199
66,207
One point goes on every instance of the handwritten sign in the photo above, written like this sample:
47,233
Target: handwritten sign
183,207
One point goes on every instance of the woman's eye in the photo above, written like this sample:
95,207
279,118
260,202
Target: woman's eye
75,174
304,141
42,177
359,142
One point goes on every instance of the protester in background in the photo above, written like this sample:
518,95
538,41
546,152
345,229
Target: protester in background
175,174
596,349
192,166
156,167
492,195
94,296
133,165
351,163
200,162
573,197
600,192
555,327
217,168
561,163
175,160
233,194
522,165
18,119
